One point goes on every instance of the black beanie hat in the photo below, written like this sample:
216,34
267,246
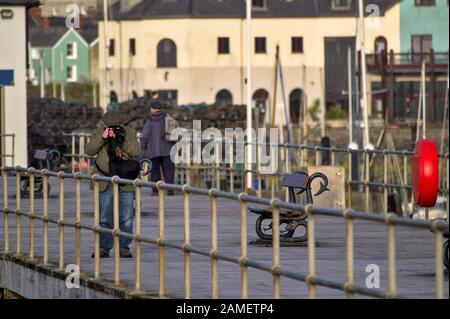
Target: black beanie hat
155,104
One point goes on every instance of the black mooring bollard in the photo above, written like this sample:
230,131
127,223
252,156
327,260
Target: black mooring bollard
326,158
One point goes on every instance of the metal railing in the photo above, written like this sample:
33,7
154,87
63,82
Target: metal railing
408,58
380,171
187,249
4,153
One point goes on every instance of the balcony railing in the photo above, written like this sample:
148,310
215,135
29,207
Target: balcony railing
409,60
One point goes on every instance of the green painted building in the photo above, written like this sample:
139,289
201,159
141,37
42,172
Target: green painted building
63,54
424,25
423,38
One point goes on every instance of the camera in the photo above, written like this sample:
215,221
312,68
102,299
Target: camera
119,135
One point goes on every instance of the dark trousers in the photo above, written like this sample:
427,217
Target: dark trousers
164,164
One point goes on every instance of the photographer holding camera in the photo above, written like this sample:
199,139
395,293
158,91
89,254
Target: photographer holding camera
115,146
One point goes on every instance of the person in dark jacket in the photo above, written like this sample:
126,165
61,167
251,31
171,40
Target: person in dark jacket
98,146
156,148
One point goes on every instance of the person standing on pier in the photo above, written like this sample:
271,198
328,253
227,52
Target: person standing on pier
114,140
156,147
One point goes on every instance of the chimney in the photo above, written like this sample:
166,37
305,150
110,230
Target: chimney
123,6
35,12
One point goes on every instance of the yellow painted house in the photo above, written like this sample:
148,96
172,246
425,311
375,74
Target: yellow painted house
193,51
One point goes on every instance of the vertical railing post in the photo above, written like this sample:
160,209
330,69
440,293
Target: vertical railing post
188,163
243,258
162,288
82,156
438,260
31,212
349,252
317,153
5,209
231,159
366,180
385,182
276,249
311,253
73,156
213,252
274,159
405,170
115,187
96,227
258,168
78,220
350,178
286,169
305,156
61,220
392,267
187,243
448,184
333,156
137,193
217,161
302,157
18,216
45,214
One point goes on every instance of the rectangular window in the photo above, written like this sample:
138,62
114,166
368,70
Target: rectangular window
424,3
35,54
112,49
260,45
421,47
223,45
71,73
297,44
341,4
259,4
168,98
132,47
71,50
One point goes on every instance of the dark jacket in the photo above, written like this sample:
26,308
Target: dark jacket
153,143
97,146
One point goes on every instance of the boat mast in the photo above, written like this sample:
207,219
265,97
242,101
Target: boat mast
364,103
248,21
106,39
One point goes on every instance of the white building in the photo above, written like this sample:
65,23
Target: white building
13,76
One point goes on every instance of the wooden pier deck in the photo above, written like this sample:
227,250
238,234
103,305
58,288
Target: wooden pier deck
414,253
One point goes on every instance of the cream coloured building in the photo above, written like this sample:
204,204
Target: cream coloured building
13,77
193,51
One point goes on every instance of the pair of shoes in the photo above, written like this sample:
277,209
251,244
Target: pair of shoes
103,254
125,254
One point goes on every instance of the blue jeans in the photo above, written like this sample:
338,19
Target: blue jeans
126,216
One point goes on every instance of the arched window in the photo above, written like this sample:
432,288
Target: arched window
224,98
261,103
295,105
261,99
381,45
167,54
113,97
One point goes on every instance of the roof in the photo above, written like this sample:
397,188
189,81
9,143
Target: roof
89,35
155,9
48,37
45,37
28,3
